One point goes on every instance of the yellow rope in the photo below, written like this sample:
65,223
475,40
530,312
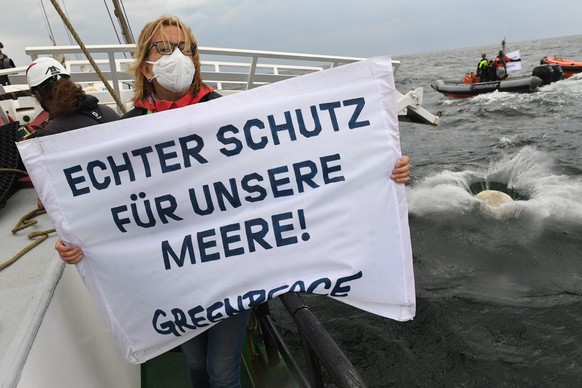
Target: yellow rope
24,222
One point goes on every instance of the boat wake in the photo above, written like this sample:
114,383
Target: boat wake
551,99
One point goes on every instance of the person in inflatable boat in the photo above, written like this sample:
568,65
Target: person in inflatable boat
501,64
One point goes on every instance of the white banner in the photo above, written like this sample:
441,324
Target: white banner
187,216
513,66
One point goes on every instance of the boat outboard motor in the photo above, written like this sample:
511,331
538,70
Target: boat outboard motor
558,72
545,72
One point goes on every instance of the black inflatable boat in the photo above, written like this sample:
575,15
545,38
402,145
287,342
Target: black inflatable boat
541,75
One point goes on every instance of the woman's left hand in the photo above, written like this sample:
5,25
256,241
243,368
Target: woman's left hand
401,172
70,254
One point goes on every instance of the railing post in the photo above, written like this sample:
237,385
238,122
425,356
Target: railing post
272,338
113,69
312,363
270,344
252,70
340,369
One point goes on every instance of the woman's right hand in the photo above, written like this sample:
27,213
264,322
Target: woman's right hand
70,254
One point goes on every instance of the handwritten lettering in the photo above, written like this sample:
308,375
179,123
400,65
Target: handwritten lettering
177,321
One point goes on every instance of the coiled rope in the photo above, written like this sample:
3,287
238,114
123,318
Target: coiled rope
25,222
38,236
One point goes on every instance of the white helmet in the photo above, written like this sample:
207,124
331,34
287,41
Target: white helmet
42,69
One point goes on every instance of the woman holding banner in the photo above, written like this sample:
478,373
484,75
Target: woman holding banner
167,76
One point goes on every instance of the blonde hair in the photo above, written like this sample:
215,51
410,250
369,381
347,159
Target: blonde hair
142,87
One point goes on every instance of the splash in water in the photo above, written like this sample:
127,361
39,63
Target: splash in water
528,177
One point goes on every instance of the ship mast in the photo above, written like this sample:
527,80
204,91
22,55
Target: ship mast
125,29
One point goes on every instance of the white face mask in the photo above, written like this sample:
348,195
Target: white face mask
174,72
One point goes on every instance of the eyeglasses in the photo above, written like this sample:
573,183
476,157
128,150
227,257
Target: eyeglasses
167,48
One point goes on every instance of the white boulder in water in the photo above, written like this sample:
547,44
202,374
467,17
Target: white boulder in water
493,197
498,204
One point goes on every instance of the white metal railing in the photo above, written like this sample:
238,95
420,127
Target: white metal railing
221,66
228,70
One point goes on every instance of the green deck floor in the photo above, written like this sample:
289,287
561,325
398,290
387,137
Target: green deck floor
168,370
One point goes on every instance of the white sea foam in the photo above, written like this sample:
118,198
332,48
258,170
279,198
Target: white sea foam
529,172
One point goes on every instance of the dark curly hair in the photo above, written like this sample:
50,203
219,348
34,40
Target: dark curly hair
65,96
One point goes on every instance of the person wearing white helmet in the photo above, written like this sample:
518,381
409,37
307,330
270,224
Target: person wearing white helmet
66,103
43,69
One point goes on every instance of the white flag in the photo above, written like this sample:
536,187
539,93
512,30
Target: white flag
512,66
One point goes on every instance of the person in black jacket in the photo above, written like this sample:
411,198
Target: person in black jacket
5,63
482,68
66,103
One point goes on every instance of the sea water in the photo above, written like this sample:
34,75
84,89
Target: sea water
499,292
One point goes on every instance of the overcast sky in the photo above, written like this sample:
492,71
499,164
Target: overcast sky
361,28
